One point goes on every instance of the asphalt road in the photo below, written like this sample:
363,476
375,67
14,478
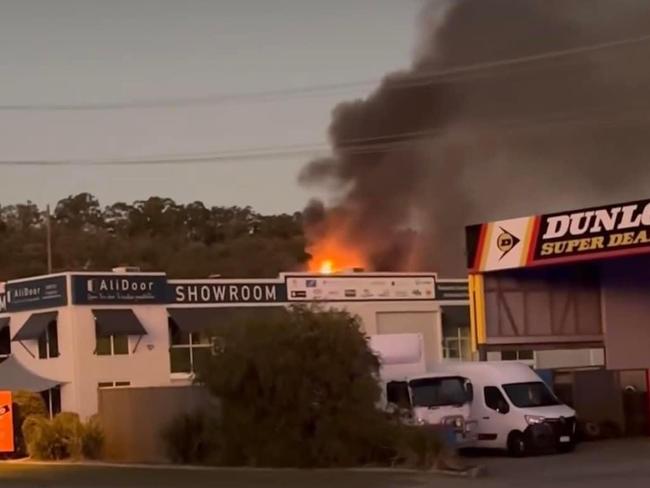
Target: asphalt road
596,465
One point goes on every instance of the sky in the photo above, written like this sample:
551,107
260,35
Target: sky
58,54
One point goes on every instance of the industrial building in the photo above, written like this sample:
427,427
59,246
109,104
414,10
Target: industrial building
572,280
68,335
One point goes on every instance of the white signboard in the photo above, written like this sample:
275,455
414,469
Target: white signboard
344,288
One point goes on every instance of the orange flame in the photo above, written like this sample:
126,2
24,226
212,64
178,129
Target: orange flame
331,255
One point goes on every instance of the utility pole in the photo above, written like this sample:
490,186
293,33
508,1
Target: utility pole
48,238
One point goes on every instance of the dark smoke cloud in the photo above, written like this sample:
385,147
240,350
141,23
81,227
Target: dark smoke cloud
435,153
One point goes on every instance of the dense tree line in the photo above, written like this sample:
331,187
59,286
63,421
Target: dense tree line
156,234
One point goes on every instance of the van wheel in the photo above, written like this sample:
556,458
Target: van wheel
517,444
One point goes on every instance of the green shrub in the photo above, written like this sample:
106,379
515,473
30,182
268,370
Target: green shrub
92,442
417,446
26,404
40,439
29,403
297,389
62,437
191,438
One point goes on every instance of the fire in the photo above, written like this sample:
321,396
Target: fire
331,255
327,267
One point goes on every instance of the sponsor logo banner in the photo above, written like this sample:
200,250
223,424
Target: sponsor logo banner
207,293
118,289
343,288
35,294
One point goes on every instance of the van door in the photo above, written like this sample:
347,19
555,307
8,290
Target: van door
493,418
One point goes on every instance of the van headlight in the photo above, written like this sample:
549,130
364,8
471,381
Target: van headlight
420,421
455,421
534,419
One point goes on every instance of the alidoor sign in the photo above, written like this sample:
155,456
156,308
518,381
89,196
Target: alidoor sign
591,233
113,289
50,292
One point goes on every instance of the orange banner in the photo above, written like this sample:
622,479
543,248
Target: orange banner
6,422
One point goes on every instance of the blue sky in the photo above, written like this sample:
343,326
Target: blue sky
97,51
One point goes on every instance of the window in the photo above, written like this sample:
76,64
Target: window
52,400
456,344
437,392
48,342
112,345
495,400
188,351
518,355
112,384
5,341
533,394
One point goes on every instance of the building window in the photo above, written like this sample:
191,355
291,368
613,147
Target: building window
48,342
188,351
518,355
52,399
5,342
112,345
112,384
456,344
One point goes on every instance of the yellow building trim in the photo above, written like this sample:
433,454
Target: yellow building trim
478,297
472,313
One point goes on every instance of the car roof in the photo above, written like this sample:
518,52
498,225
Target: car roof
497,371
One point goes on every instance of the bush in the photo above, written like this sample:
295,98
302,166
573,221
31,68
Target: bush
62,437
40,440
92,441
29,403
297,389
191,438
417,446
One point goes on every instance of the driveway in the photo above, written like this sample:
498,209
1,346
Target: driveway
594,465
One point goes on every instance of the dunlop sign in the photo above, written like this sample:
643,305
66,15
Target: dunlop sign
591,233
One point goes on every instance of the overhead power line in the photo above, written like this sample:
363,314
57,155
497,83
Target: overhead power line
598,116
456,73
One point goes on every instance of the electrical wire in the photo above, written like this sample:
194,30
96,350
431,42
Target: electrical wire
599,116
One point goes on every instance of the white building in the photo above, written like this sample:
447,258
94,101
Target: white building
66,335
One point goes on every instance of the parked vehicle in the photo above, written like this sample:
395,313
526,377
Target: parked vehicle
515,409
428,398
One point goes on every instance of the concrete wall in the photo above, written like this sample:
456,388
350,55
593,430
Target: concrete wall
399,318
626,312
61,368
147,363
135,418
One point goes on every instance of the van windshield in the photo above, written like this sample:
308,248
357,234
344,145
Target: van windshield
438,392
533,394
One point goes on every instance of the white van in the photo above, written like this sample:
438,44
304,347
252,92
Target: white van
430,398
514,408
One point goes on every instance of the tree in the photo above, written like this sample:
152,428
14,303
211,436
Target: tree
156,234
298,389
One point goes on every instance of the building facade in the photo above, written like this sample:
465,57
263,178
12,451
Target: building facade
68,335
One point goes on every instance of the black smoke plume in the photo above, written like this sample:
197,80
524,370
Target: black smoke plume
463,137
